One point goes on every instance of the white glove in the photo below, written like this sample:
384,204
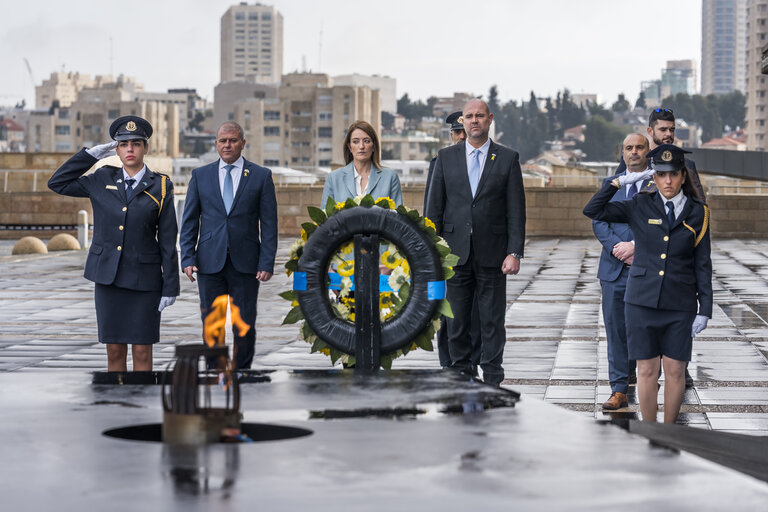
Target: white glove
634,177
165,302
699,324
103,151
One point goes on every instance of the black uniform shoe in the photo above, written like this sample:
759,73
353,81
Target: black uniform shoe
632,380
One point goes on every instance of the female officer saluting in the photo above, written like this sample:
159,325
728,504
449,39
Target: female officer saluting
132,258
669,290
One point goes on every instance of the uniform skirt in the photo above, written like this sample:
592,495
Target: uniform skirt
658,332
127,316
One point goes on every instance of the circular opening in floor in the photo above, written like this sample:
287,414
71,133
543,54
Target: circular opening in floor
249,433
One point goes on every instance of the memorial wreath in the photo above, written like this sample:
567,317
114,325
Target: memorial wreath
397,286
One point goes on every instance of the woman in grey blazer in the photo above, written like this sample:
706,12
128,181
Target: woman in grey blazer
362,173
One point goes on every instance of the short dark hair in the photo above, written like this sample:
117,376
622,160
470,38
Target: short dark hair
660,114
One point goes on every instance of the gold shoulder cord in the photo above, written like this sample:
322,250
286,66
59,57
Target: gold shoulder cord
162,195
704,226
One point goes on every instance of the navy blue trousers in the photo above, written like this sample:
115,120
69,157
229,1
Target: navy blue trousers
490,285
244,291
614,316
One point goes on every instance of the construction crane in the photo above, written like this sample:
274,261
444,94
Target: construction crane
29,70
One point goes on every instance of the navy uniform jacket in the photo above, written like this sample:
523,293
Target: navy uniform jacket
133,247
495,216
248,232
609,234
672,268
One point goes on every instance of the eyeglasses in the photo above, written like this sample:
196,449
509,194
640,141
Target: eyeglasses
664,110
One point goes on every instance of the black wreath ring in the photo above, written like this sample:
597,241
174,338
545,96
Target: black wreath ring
412,242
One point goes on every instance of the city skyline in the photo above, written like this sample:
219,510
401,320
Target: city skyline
430,48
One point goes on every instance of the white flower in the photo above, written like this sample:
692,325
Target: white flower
397,278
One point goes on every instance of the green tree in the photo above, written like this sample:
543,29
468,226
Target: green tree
493,99
596,109
732,107
640,103
621,104
602,139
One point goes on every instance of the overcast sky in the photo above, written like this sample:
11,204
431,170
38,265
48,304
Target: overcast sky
432,47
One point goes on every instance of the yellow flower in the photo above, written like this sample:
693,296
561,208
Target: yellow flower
429,223
346,268
405,266
340,206
351,317
326,351
390,203
347,248
391,259
294,303
385,299
304,235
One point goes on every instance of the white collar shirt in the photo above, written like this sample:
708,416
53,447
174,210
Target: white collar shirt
138,176
679,202
359,182
237,172
638,184
470,149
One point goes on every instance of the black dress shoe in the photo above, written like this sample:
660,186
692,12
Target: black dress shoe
688,379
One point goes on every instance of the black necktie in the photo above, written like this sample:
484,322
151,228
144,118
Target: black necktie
632,191
671,213
129,187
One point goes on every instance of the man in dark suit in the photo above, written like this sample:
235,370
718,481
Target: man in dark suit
661,130
477,202
457,134
617,255
229,232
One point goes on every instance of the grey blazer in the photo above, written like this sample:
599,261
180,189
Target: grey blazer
340,185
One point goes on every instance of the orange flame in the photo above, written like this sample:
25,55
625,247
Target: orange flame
214,327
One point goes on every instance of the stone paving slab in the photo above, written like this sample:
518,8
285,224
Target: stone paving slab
556,348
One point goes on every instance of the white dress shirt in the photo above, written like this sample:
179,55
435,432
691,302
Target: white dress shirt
138,176
679,202
359,182
236,173
469,148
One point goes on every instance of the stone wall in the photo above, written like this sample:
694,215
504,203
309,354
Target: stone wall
550,211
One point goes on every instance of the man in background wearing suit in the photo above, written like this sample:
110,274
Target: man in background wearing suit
457,134
477,202
617,255
229,233
661,130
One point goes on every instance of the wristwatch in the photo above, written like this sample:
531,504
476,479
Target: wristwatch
515,255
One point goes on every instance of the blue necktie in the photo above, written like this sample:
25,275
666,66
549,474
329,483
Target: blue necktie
474,171
671,213
229,190
632,191
129,187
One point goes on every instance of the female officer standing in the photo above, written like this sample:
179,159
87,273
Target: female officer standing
669,290
132,258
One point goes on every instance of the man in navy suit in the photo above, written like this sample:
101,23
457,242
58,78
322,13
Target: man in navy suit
616,258
477,202
229,232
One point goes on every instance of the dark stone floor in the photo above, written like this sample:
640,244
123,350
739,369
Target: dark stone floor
533,455
555,337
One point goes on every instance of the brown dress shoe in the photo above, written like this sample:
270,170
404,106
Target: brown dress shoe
616,401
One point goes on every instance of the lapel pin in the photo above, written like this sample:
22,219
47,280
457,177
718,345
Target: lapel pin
120,181
493,157
144,183
245,172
